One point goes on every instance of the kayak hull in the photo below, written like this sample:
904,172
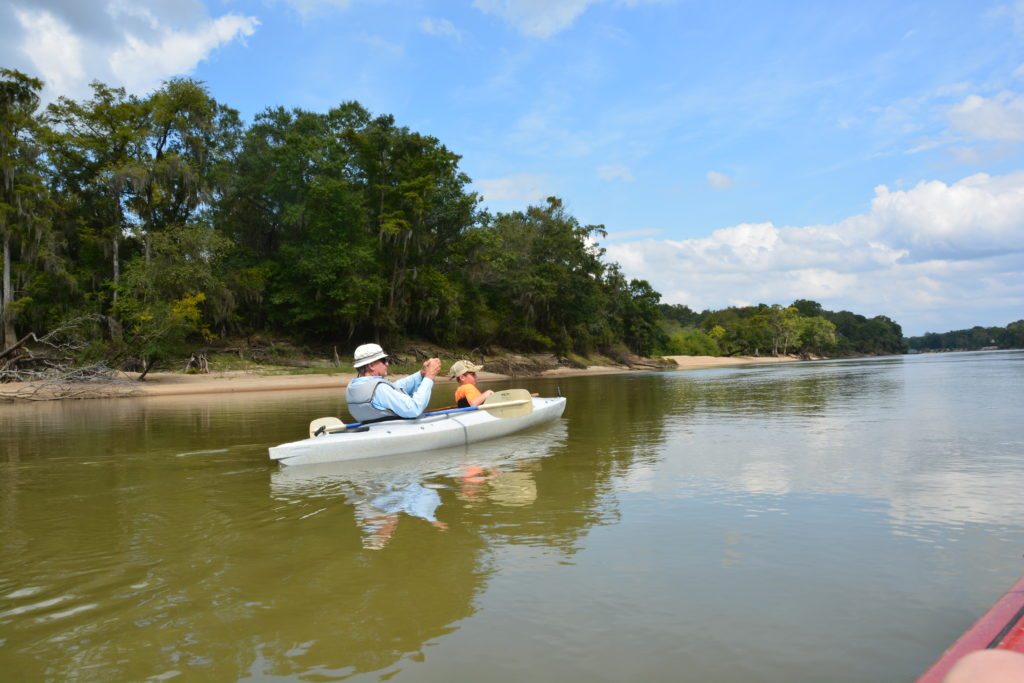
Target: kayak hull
1001,628
408,436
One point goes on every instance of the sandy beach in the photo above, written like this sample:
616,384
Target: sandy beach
177,384
701,362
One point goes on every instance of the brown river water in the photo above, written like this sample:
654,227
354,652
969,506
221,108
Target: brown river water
834,521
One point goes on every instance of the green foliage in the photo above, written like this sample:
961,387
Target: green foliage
680,314
691,341
155,330
804,327
168,296
94,148
817,335
168,219
27,243
1009,337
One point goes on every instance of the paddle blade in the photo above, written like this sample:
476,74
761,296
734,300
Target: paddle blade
327,423
520,396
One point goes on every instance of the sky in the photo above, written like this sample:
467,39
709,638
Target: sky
865,155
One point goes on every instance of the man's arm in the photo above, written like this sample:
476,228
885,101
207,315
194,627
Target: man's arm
393,397
409,396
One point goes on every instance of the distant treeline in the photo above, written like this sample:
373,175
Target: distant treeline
803,328
144,226
1009,337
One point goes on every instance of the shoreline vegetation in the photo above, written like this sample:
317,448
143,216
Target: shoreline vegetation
142,230
159,384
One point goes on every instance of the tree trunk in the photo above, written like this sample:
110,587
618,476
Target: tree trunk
145,370
8,297
117,266
112,323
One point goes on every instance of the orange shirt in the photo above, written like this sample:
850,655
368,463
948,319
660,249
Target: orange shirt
465,392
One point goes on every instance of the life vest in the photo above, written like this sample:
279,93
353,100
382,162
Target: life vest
359,395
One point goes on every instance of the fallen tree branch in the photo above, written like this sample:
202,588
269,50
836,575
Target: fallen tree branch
18,344
92,381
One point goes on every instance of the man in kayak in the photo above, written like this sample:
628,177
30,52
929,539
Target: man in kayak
464,372
372,397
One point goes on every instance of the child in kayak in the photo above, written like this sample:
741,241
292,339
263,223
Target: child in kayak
467,395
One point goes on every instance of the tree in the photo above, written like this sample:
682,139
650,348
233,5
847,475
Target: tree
784,325
637,315
189,139
23,197
542,275
681,314
807,308
348,222
752,333
417,208
693,342
95,150
162,294
817,335
1014,338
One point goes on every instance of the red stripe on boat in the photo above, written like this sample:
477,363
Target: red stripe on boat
1001,628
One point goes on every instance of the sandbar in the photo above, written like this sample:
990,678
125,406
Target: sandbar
179,384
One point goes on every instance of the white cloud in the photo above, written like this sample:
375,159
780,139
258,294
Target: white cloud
117,42
51,47
142,64
719,181
541,18
384,46
550,128
924,145
980,214
998,118
307,8
614,172
1012,10
537,18
634,234
441,28
524,187
933,257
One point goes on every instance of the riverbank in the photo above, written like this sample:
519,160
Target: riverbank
238,381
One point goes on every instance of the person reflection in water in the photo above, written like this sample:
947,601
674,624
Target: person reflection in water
508,488
378,516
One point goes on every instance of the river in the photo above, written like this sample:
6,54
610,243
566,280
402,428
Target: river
837,521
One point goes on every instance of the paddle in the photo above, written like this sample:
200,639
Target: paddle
325,424
509,403
503,404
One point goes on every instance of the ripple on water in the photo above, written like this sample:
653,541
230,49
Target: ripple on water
64,614
34,607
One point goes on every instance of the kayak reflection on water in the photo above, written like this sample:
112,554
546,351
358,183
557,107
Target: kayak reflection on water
383,490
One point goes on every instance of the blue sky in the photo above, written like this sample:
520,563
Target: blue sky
866,155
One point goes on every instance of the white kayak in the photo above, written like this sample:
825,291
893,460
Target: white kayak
443,429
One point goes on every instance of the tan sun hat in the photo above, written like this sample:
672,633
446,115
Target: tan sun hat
461,367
